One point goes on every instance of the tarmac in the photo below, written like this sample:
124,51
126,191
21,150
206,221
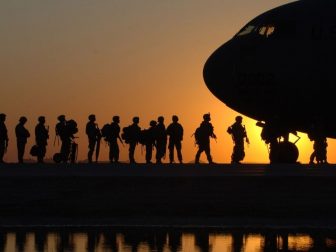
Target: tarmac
168,195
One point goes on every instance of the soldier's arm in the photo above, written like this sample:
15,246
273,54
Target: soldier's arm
120,139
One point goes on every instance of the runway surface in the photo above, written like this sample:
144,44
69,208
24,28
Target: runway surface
165,170
180,195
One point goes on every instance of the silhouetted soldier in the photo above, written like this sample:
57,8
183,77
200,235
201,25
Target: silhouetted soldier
238,132
320,150
66,136
134,132
270,134
41,138
94,135
113,137
175,133
161,140
150,140
63,134
3,137
202,135
316,134
22,135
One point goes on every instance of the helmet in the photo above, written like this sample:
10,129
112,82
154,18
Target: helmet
206,117
2,117
136,119
41,119
92,117
23,119
61,118
152,123
116,119
175,118
239,119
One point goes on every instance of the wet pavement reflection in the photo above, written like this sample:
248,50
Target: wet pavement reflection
164,239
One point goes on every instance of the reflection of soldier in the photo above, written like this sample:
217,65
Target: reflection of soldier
41,138
202,241
22,135
161,140
175,133
134,135
112,138
203,134
238,132
93,133
3,137
150,140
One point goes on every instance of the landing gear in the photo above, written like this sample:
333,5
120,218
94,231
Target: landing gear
284,152
277,137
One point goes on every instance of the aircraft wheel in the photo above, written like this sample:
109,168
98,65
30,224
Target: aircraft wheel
285,152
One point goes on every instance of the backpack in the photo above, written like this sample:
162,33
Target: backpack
198,135
35,150
144,136
106,130
126,134
72,127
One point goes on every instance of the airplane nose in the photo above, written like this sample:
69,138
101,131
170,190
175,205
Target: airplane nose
218,71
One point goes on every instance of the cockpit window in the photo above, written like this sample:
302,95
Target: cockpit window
263,30
266,30
247,30
283,29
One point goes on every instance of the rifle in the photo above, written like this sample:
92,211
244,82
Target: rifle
121,141
99,137
247,139
6,146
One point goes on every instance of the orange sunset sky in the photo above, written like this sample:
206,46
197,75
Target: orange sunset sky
126,58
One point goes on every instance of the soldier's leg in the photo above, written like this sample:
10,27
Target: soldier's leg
198,154
92,145
40,153
171,151
111,152
43,152
2,151
116,152
20,149
312,157
207,152
65,150
234,155
179,151
149,149
131,152
158,152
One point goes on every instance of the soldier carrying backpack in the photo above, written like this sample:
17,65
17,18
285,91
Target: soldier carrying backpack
148,138
131,135
41,138
66,130
112,134
161,140
3,137
94,136
238,133
22,134
175,133
202,138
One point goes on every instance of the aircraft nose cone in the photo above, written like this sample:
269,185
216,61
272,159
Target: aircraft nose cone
218,71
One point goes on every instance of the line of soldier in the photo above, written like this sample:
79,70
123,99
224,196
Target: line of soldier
155,136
